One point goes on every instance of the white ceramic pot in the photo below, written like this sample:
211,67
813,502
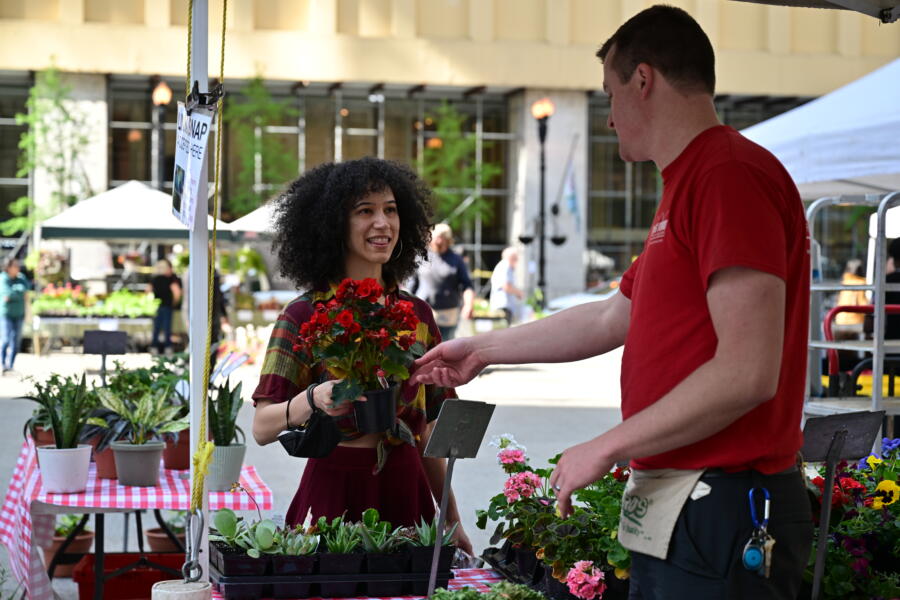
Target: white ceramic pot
225,467
64,471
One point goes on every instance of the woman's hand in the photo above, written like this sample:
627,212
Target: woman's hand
322,398
462,540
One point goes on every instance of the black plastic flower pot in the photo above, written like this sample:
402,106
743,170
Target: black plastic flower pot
396,562
420,557
526,564
243,591
235,562
557,590
293,565
379,412
420,562
340,564
616,589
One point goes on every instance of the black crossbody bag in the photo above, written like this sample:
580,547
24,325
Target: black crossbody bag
316,438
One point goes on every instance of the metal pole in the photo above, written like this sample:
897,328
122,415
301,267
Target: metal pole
542,283
161,146
198,286
155,150
442,519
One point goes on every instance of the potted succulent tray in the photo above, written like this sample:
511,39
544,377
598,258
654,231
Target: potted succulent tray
332,559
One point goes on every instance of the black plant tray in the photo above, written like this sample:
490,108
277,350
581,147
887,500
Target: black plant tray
325,578
495,557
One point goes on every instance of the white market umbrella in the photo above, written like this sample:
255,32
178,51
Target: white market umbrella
131,211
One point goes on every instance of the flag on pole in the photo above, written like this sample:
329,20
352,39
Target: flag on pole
571,195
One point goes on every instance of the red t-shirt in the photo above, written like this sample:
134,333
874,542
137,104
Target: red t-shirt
726,202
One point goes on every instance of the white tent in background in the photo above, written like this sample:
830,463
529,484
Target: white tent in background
132,211
846,142
255,224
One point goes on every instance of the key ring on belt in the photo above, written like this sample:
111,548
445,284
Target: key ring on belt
756,522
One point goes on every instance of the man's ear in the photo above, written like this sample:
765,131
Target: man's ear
645,78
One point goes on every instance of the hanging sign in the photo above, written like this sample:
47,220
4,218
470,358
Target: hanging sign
191,141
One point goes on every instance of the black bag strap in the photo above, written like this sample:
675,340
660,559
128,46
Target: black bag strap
287,410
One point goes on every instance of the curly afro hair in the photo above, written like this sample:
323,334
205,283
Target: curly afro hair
311,216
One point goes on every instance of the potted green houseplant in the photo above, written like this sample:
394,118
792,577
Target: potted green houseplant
342,555
228,455
138,458
40,425
81,544
383,553
368,345
238,548
296,556
422,551
64,465
101,436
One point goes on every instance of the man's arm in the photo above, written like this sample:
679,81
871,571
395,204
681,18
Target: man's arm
574,334
468,303
747,311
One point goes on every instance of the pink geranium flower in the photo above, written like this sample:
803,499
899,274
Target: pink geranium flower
585,580
521,485
511,456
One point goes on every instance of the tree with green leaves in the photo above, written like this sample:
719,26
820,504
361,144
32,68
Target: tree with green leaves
54,143
449,165
247,116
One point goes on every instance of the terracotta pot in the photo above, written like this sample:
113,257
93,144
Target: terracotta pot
178,456
160,542
106,464
44,437
80,545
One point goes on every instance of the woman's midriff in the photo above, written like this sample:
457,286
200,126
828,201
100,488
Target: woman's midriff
369,440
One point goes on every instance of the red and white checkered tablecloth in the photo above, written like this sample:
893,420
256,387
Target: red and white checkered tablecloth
25,528
479,579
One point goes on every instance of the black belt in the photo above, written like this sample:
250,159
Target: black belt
717,473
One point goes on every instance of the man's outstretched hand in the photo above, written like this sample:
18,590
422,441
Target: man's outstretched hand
448,364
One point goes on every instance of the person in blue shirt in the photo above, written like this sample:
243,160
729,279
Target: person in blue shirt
443,280
13,285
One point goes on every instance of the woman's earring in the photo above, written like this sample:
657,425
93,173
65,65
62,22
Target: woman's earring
400,246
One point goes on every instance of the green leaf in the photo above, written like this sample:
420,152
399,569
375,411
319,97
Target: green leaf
225,522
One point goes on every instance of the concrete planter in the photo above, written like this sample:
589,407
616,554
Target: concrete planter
138,464
225,467
64,471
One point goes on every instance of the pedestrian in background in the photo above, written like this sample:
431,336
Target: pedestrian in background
13,285
442,280
714,318
165,287
505,296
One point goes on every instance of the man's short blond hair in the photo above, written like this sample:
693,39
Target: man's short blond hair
442,230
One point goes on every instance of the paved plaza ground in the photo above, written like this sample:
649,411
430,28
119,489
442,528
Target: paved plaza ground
547,407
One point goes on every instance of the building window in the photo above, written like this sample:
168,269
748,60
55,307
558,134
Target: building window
13,98
138,131
623,197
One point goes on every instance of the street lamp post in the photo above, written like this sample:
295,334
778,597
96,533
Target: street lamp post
161,96
541,111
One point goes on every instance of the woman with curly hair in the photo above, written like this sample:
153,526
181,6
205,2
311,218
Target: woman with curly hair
366,218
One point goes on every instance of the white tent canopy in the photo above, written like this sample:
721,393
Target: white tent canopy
846,142
254,224
132,211
886,11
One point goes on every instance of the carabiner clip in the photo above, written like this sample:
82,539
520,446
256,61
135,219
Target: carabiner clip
193,533
765,522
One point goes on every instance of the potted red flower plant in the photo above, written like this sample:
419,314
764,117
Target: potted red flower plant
368,340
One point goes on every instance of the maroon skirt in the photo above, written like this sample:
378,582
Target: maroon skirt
342,483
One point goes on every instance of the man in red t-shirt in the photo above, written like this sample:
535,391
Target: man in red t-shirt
713,317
